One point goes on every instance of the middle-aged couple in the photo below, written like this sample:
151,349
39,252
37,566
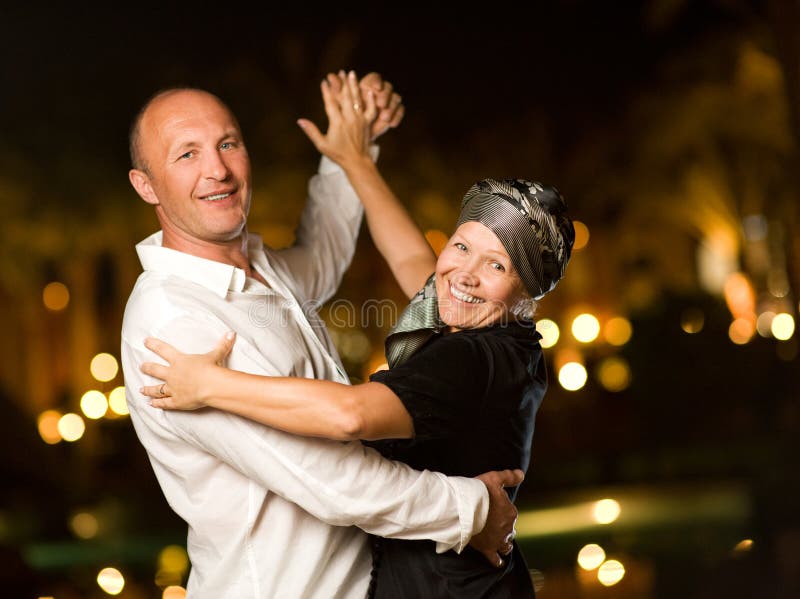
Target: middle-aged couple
267,469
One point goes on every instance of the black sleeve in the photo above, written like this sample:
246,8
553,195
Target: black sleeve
443,385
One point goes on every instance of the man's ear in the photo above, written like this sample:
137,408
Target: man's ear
141,183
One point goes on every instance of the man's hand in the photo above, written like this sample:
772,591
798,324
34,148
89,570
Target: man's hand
496,538
388,102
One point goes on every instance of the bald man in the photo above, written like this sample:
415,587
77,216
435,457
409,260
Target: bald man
269,514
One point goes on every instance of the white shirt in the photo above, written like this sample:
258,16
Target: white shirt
272,514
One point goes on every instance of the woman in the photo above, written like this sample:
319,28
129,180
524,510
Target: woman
466,370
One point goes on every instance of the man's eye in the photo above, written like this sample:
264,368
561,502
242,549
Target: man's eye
186,155
226,145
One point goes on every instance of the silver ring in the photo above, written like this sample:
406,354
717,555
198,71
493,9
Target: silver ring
356,106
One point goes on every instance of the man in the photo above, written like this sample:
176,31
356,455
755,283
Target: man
269,514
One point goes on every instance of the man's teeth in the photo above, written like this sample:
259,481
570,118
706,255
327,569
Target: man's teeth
464,297
219,196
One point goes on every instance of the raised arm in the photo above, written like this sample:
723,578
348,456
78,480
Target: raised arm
346,142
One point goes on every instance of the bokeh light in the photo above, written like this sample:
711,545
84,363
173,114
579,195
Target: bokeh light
618,331
94,404
614,374
782,326
692,320
111,581
174,592
572,376
71,427
437,240
55,296
741,331
118,402
104,367
581,235
84,525
48,426
585,328
606,511
764,323
549,332
591,556
174,558
610,573
743,546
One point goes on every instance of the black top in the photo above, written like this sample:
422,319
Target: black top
473,397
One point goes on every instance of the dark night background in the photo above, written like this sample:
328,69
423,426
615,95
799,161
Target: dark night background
670,126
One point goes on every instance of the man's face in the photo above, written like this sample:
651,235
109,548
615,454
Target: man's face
197,167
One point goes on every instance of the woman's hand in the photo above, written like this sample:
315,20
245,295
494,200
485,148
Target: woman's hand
188,378
350,120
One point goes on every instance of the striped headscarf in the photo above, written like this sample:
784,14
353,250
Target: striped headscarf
530,221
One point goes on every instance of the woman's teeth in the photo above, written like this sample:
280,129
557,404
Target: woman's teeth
464,297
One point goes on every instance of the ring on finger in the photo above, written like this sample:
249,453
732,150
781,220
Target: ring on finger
356,106
161,390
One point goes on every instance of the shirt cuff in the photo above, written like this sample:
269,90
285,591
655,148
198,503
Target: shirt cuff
328,166
472,498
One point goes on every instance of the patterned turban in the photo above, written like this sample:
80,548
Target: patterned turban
530,221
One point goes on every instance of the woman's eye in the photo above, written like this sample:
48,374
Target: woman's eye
461,246
498,267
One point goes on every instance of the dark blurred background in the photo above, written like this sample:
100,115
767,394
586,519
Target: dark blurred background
667,445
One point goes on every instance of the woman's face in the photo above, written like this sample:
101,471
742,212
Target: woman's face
475,281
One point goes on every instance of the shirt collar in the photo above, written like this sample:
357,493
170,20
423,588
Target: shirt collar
218,277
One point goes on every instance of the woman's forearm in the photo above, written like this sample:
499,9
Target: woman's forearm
311,407
396,235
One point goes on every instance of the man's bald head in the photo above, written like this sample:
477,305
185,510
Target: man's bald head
138,160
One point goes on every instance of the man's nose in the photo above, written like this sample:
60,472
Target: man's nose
215,167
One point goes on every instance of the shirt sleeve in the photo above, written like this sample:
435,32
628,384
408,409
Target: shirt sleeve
444,386
325,239
339,483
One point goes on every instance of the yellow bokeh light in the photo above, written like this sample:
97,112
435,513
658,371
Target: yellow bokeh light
174,592
117,401
764,323
614,374
581,235
585,328
572,376
610,573
743,545
48,426
591,556
618,331
94,404
692,320
782,326
71,427
741,331
104,367
111,581
606,511
549,332
84,525
174,558
55,296
437,240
